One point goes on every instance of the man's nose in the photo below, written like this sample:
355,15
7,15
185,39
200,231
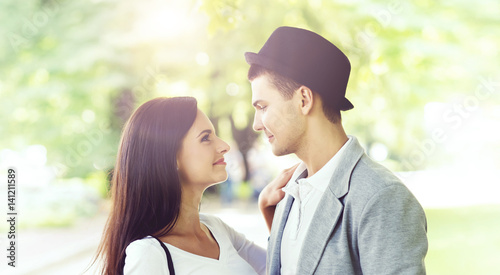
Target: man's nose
257,123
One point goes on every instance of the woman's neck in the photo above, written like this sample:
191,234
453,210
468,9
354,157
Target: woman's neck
188,233
188,222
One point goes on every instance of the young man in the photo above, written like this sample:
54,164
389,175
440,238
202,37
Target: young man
342,213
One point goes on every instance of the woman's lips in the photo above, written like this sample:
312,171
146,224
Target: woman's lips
220,162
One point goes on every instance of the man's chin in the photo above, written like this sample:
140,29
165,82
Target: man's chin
279,151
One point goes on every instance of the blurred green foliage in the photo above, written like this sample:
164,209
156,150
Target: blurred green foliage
71,72
463,240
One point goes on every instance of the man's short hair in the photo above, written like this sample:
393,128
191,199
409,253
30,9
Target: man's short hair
287,86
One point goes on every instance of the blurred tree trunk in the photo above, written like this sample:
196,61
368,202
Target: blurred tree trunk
245,139
123,106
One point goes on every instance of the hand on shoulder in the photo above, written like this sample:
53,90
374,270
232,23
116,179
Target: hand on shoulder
272,194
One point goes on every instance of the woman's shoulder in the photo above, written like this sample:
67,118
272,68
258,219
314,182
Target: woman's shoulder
216,224
144,248
145,256
211,220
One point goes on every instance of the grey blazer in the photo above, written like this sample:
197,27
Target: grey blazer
367,222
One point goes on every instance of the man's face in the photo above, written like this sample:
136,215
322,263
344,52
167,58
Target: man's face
278,118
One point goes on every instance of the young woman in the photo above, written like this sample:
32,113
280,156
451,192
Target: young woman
168,155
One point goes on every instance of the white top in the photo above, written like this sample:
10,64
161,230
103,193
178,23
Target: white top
299,219
237,254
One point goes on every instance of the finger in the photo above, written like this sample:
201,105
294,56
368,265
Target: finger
294,167
289,172
291,169
280,196
288,175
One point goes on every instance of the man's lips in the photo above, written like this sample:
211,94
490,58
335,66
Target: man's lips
269,136
220,162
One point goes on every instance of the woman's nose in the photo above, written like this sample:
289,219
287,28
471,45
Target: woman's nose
224,147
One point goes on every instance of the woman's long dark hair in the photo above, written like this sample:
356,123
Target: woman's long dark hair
145,188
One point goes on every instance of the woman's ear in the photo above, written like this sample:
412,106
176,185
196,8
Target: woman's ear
306,99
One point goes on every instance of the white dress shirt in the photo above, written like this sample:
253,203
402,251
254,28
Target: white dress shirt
307,193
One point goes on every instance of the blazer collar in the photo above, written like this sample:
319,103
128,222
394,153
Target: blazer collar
339,182
329,210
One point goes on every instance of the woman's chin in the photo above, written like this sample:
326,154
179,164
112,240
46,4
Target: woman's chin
219,179
223,179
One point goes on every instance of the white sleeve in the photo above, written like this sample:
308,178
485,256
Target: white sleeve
145,256
248,250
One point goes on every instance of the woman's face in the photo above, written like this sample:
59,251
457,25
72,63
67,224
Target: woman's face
200,159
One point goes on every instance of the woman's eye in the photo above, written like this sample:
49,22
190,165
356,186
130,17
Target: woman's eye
205,138
263,108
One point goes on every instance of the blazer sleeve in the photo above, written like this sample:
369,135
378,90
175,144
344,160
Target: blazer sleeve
392,236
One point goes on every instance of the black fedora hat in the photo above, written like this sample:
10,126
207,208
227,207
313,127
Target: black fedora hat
308,59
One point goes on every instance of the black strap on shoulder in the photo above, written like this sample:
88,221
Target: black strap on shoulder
169,257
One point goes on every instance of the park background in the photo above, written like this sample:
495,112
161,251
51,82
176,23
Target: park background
424,82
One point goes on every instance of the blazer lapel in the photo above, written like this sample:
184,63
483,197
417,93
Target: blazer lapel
274,247
321,228
329,210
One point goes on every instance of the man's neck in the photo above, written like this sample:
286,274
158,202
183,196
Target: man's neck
320,145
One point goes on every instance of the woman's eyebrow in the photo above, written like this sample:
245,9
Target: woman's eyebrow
205,131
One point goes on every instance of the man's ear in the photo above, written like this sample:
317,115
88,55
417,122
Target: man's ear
306,97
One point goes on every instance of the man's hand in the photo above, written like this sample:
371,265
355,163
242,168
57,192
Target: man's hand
272,194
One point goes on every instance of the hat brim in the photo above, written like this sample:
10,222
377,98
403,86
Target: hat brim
251,58
346,105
